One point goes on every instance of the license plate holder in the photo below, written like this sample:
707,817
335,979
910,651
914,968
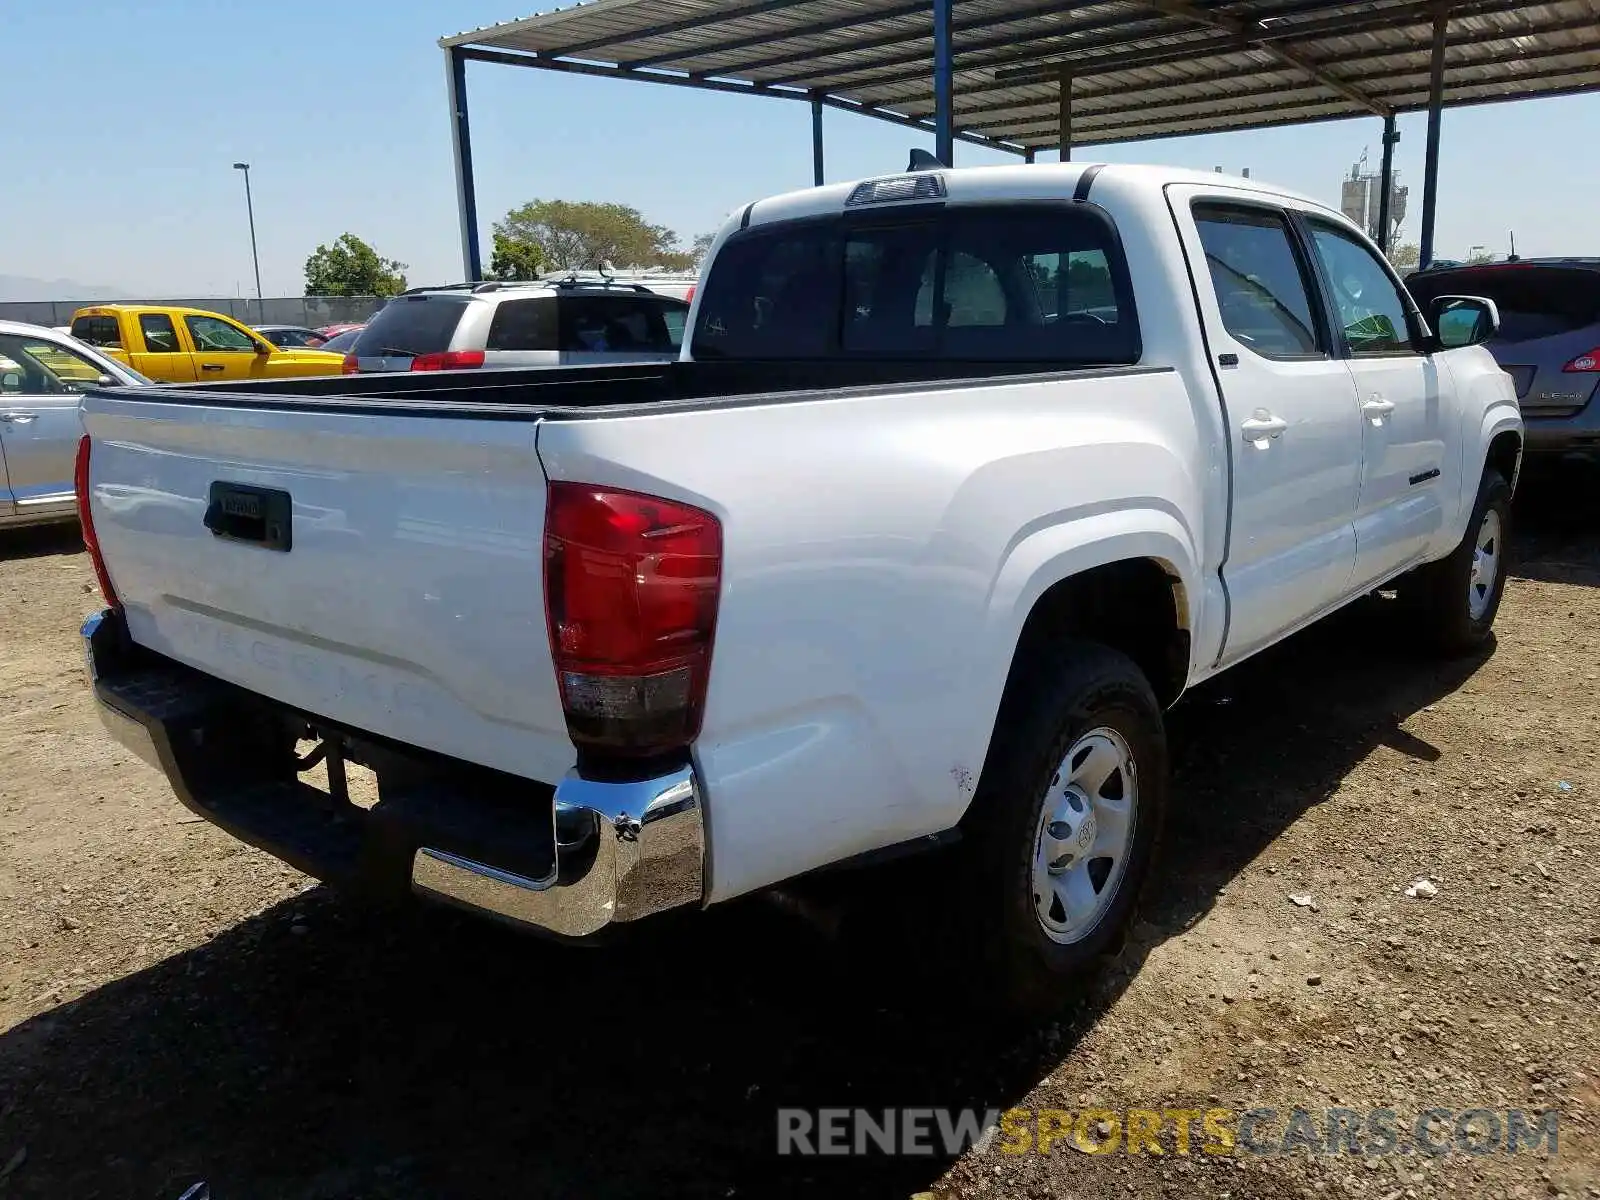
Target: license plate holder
258,516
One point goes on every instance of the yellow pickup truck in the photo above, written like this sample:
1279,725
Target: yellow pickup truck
185,345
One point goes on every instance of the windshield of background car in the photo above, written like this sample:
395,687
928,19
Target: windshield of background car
412,325
1019,283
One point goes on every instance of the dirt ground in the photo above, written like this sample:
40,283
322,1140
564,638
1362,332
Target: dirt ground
175,1007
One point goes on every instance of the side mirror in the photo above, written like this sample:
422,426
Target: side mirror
263,348
1463,321
108,381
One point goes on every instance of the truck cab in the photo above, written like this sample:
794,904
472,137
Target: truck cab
188,345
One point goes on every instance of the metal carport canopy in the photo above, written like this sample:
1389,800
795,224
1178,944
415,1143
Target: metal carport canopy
1020,75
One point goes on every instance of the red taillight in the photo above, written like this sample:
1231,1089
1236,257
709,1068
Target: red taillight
1584,363
350,366
447,360
80,485
631,585
688,297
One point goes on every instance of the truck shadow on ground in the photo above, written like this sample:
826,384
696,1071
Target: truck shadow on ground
36,541
1557,526
319,1050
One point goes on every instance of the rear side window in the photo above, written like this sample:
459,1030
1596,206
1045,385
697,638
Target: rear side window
1260,281
524,325
1017,283
159,335
412,325
626,324
98,331
1534,301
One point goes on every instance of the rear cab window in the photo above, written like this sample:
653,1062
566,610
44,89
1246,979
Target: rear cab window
412,325
1030,283
99,331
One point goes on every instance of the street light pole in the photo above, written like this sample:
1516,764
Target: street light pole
249,207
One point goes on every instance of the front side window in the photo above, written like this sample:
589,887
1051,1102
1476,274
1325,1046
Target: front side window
31,367
1367,301
1260,283
967,284
214,335
159,335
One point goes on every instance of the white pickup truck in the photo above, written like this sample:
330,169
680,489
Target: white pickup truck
963,477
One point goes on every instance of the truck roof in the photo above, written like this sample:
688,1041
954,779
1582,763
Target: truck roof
111,310
1013,182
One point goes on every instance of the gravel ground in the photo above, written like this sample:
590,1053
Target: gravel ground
175,1007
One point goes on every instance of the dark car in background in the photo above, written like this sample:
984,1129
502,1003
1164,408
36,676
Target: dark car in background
291,337
1549,342
343,342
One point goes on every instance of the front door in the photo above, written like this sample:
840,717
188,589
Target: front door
1291,413
40,382
223,350
1404,475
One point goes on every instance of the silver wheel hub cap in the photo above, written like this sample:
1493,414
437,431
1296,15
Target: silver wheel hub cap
1086,825
1485,566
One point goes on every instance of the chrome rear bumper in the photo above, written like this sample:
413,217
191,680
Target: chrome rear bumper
639,849
621,850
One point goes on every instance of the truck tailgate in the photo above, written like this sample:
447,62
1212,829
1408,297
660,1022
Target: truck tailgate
409,600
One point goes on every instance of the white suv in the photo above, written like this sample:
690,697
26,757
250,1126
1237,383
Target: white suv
546,323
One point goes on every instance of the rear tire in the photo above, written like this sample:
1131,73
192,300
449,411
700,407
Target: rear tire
1452,603
1063,827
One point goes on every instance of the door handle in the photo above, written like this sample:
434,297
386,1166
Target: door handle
1377,408
17,418
211,366
1259,428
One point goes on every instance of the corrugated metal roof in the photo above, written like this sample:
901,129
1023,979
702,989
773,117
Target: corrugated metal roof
1159,68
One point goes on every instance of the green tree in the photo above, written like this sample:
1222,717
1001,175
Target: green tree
514,258
581,235
702,247
1405,256
350,267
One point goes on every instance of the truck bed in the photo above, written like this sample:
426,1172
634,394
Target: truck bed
566,392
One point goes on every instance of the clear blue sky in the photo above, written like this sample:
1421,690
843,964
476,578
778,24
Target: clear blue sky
122,122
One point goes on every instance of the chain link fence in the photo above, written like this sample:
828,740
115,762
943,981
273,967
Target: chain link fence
309,311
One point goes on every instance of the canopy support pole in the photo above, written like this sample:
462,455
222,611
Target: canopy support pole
461,146
944,82
1430,166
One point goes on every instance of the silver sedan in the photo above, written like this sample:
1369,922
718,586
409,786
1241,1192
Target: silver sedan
42,373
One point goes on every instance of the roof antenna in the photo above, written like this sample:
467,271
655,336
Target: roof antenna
607,271
921,160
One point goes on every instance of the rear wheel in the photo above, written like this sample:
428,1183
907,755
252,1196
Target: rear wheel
1453,602
1064,825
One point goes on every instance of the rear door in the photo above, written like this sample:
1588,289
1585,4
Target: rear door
1404,475
40,384
163,355
1291,407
